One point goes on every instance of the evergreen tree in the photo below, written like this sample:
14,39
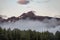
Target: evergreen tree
57,35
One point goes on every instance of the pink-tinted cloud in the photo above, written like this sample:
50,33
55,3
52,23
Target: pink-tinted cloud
23,1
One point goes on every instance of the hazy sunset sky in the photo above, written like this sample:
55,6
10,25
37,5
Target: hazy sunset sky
42,7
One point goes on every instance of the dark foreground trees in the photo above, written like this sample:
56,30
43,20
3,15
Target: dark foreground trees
17,34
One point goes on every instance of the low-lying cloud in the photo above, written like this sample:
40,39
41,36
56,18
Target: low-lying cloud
40,26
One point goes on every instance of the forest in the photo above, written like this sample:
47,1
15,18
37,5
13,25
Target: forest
17,34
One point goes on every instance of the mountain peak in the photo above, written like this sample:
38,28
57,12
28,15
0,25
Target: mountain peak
29,14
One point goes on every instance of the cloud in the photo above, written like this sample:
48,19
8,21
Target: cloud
23,1
40,1
28,1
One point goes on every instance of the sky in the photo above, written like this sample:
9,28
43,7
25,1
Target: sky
41,7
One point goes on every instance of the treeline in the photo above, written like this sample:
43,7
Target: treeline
17,34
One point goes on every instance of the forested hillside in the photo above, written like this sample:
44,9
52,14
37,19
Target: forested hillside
17,34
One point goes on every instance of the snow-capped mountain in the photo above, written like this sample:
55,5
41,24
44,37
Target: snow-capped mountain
31,21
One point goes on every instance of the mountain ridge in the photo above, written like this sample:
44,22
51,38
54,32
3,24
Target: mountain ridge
24,16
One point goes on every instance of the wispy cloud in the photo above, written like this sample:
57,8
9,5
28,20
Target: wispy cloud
27,1
41,1
23,1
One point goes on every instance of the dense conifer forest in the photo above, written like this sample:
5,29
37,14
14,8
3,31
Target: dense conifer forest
17,34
